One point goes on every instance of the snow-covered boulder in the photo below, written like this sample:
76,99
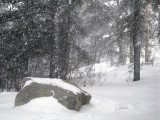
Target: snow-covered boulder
67,94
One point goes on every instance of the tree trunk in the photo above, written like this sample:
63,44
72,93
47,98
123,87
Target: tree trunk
136,63
135,37
159,23
131,53
64,42
54,50
122,59
121,53
147,34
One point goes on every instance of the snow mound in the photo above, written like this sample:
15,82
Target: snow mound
49,105
54,82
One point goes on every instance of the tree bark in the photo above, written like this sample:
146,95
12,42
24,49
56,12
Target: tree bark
135,37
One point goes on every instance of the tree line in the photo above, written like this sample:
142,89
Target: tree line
73,33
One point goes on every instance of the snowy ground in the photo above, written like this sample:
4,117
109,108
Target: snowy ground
114,99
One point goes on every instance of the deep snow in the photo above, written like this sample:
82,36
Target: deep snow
117,98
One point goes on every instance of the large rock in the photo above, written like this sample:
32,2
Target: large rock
67,94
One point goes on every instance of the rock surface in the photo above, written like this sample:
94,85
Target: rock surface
68,98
